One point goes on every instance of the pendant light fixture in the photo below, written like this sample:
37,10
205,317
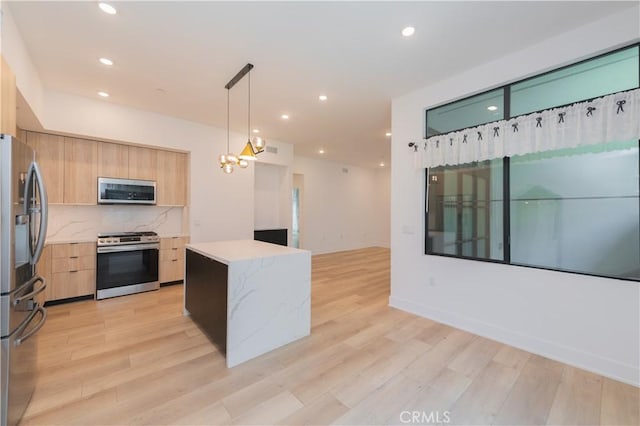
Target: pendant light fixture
254,146
227,160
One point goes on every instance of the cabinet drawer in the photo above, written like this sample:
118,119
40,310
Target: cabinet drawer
172,254
73,284
173,243
171,270
69,264
73,250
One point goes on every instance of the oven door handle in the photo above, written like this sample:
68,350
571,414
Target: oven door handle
134,247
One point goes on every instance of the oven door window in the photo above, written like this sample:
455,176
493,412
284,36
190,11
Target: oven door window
123,268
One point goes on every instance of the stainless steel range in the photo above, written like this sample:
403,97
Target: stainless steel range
127,263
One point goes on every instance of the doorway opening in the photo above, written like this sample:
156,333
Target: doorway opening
296,216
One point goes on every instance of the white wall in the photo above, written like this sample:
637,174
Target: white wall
382,216
272,203
14,51
593,323
222,206
342,210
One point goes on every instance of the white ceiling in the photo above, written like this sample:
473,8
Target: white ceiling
351,51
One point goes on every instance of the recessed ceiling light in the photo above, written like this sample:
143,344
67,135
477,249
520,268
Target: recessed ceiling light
492,108
408,31
103,94
284,116
106,61
256,130
321,151
387,134
381,164
107,8
322,97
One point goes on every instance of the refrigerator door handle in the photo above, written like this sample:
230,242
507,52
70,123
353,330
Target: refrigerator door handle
35,173
23,337
33,293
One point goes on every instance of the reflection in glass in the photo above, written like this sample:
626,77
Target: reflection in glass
577,210
465,210
469,112
598,77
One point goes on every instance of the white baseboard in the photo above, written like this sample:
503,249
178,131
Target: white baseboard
606,367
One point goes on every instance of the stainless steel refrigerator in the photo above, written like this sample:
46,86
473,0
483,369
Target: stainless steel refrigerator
23,228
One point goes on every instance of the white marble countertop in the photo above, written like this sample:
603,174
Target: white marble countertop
232,251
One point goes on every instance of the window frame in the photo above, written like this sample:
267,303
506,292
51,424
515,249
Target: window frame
506,210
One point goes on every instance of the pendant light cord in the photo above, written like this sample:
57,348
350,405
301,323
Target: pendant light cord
227,121
249,110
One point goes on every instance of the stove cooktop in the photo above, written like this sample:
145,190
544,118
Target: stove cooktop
128,234
122,238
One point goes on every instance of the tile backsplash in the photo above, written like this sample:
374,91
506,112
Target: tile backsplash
73,222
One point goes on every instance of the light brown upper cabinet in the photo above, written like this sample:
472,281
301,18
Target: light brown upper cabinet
50,156
71,167
172,178
143,163
81,171
113,160
7,99
21,134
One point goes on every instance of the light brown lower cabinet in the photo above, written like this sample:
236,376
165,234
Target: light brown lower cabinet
43,268
74,283
171,262
70,270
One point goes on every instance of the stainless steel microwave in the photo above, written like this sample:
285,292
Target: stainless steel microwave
126,191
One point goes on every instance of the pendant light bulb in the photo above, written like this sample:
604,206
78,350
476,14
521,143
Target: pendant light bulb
228,168
222,159
259,143
232,158
243,163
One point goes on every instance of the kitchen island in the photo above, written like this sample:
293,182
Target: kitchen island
250,297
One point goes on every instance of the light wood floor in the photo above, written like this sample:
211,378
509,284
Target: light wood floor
137,359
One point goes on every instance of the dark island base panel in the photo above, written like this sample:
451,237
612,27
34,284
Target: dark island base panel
274,236
206,296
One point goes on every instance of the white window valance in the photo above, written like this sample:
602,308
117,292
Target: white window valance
609,119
